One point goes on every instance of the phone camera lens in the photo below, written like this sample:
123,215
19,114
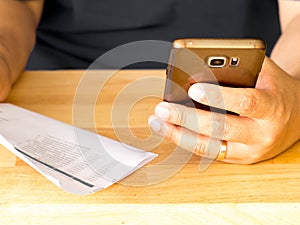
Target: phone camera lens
216,61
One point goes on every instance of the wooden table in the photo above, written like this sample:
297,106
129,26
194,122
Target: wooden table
264,193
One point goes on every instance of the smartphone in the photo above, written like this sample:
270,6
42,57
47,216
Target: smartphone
226,62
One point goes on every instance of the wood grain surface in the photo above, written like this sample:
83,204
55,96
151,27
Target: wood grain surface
167,191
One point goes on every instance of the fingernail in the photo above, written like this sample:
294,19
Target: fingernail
195,92
156,124
162,111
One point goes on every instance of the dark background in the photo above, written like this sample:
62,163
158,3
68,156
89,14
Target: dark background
73,33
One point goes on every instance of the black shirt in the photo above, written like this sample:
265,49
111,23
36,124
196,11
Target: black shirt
73,33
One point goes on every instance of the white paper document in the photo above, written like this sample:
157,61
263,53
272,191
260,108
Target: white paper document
76,160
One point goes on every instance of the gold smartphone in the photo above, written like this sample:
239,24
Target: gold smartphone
227,62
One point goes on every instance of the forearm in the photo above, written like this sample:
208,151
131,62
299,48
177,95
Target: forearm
19,20
286,52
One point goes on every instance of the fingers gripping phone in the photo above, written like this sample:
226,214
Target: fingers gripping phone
226,62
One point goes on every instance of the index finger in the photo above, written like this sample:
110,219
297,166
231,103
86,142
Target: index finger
248,102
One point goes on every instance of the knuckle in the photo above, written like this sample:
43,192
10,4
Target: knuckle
248,103
189,119
269,140
209,127
178,115
254,157
267,143
217,127
226,132
199,148
184,118
174,135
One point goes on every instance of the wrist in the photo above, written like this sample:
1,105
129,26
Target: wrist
297,104
5,78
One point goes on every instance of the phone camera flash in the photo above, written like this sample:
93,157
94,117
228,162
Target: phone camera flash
234,61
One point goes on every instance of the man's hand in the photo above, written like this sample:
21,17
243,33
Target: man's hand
18,23
268,121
